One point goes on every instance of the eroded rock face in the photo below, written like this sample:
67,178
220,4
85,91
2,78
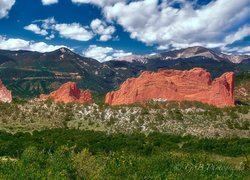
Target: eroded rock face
176,85
69,93
5,94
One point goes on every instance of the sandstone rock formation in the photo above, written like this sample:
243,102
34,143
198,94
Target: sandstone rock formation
69,93
5,94
176,85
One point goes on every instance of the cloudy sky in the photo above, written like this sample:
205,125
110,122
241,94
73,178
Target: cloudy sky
106,29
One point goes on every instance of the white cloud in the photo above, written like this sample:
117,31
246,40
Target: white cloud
159,23
5,6
70,31
21,44
237,50
73,31
43,47
97,2
52,36
42,26
34,28
101,28
104,53
49,2
47,23
238,35
13,44
244,50
184,45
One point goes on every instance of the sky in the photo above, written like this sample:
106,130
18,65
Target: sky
109,29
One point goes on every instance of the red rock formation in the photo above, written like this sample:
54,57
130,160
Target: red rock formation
5,94
192,85
69,93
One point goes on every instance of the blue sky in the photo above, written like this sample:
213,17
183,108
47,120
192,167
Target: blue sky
107,29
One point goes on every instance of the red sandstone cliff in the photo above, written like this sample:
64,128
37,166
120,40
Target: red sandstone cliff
192,85
69,93
5,94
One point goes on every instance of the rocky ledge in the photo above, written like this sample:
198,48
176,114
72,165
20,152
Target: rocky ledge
175,85
69,93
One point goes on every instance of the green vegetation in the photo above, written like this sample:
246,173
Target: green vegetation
152,140
242,89
242,77
185,118
49,140
74,154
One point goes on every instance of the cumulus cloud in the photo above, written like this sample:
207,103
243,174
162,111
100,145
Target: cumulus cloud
74,31
34,28
101,28
52,36
156,22
21,44
5,6
47,23
104,53
49,2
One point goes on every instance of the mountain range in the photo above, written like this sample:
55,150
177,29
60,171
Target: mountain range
28,74
197,51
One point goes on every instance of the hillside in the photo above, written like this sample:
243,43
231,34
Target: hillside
29,73
186,118
242,89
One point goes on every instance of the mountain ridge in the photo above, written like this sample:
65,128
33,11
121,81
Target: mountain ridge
195,51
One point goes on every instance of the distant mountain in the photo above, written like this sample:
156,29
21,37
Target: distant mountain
188,58
29,74
134,58
191,52
235,58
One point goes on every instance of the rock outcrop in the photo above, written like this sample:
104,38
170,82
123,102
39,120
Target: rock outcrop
69,93
5,94
176,85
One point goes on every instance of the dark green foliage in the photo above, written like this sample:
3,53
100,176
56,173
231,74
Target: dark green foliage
73,154
35,164
242,77
50,140
167,166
